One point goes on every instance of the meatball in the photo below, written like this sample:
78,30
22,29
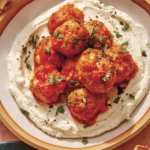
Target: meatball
70,38
100,36
47,84
126,68
95,71
85,106
62,15
70,74
45,54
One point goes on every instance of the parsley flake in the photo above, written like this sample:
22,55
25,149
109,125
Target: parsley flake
84,100
60,79
33,41
60,109
125,43
74,82
131,96
27,57
47,50
107,76
118,35
24,49
126,27
51,79
75,41
56,34
69,100
86,126
116,100
26,113
144,53
28,66
84,140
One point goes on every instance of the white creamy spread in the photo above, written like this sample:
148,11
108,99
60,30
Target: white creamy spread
63,125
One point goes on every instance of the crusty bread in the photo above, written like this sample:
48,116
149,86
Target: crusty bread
140,147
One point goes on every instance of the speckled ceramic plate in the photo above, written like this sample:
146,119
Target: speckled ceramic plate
23,13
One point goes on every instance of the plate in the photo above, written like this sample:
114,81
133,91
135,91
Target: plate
24,128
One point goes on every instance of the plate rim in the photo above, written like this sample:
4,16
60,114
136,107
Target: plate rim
36,143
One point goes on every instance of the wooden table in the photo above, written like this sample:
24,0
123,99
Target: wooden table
143,138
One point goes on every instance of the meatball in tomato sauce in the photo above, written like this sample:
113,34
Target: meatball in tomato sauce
84,106
126,68
100,36
70,38
62,15
70,73
47,84
96,72
45,54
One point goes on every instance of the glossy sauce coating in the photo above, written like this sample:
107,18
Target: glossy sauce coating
70,73
44,54
62,15
96,72
100,36
84,106
126,68
70,38
47,84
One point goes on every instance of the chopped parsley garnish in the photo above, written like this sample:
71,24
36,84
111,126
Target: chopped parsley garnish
75,41
26,113
47,50
125,43
24,49
118,35
84,140
28,66
124,51
74,82
101,39
51,106
91,30
44,39
99,58
126,27
51,79
84,100
144,53
69,100
75,103
60,79
60,109
107,76
60,36
116,100
86,126
56,34
74,94
33,41
27,57
104,49
131,96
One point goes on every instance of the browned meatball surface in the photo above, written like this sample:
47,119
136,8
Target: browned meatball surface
96,72
126,68
100,36
47,84
70,73
70,38
84,106
62,15
44,53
